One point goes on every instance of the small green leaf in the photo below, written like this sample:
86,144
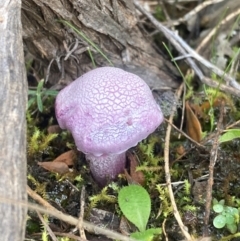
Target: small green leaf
146,235
50,92
231,210
218,208
229,218
229,135
39,102
222,202
219,221
135,203
32,92
40,86
215,201
31,101
232,228
39,95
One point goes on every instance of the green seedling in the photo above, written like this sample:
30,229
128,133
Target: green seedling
230,135
37,95
226,216
135,203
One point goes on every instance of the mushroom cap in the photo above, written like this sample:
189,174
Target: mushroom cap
108,111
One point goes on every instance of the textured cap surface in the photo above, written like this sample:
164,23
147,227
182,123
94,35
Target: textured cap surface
107,110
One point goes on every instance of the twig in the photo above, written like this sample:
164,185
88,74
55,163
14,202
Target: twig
233,124
184,49
168,176
183,108
213,159
70,235
81,215
184,134
164,230
69,52
49,209
214,30
192,13
204,177
49,230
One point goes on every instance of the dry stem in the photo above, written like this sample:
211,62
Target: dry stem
187,51
49,209
213,159
168,176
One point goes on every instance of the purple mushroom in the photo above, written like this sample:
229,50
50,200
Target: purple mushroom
108,111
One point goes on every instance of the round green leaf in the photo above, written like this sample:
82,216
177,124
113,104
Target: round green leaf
231,210
222,202
147,235
232,228
135,203
218,208
219,221
229,218
230,135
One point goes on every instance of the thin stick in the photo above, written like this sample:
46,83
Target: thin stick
49,230
184,49
49,209
81,215
233,124
168,176
214,30
213,159
70,235
192,13
184,134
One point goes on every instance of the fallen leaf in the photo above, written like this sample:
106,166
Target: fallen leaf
136,176
54,129
125,227
68,157
193,126
61,164
59,167
104,218
200,110
180,150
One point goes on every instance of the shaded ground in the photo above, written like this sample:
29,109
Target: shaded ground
201,168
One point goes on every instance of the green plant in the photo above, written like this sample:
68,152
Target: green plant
166,206
37,95
135,203
149,154
39,187
227,216
230,135
102,196
39,141
44,228
184,199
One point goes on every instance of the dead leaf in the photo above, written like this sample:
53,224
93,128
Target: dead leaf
59,167
193,126
135,176
68,157
124,226
200,110
104,218
61,164
180,150
54,129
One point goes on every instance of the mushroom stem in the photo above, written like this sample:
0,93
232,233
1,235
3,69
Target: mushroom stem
106,168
